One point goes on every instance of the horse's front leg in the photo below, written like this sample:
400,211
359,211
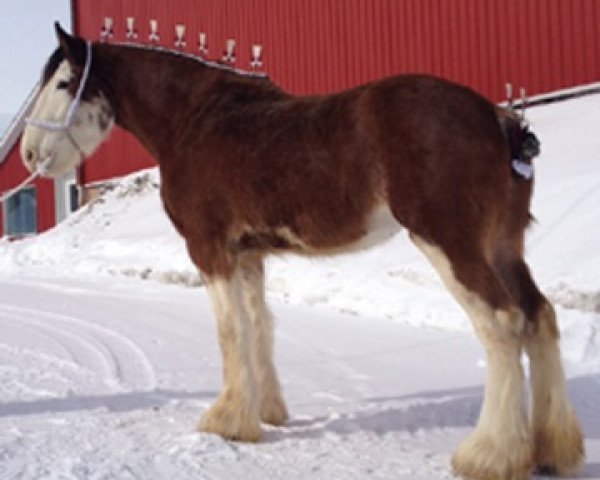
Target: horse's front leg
272,405
236,413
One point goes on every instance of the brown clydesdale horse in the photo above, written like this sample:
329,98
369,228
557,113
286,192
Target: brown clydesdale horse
248,169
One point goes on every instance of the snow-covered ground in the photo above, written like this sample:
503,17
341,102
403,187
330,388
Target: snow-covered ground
108,352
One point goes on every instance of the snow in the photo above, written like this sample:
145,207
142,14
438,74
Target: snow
108,356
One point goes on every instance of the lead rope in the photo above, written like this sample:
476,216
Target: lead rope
55,126
40,171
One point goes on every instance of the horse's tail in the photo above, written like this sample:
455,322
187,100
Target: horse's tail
523,143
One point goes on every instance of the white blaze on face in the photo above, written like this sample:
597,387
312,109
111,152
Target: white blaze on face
91,125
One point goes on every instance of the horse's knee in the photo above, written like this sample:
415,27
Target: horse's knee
511,321
514,273
545,325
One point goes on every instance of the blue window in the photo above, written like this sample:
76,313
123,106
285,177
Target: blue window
20,213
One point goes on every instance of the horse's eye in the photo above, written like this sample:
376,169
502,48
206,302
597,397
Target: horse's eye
62,84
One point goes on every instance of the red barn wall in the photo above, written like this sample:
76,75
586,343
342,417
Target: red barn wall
325,45
12,172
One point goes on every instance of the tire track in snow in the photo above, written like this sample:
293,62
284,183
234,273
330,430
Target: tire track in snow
81,350
28,332
131,366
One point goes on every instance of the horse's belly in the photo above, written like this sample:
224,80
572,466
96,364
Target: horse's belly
381,226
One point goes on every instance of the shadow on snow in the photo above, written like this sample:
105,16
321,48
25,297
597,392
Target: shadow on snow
119,402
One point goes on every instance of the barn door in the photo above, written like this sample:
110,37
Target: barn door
66,193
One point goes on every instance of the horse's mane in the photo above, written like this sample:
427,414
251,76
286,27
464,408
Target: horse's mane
58,56
190,56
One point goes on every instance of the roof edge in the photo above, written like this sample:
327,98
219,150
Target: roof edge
15,129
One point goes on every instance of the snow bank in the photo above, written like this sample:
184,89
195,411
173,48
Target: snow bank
123,232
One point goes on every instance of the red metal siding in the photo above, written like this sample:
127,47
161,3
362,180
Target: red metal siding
325,45
12,172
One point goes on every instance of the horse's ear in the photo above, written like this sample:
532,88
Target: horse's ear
73,47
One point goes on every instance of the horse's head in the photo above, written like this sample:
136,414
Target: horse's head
71,115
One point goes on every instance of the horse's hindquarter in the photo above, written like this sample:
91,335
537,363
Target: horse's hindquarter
445,159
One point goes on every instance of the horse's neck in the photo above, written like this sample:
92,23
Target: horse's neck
155,94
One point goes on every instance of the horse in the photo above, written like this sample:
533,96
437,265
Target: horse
250,170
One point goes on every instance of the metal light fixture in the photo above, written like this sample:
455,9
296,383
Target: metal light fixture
523,101
106,32
179,34
229,53
202,44
131,33
154,37
256,61
509,94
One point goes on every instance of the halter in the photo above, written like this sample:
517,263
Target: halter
57,127
66,123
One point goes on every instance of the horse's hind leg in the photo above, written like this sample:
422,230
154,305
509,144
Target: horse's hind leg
500,445
558,443
235,414
272,405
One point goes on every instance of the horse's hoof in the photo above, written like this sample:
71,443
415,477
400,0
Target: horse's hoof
273,410
559,448
546,470
232,421
479,457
